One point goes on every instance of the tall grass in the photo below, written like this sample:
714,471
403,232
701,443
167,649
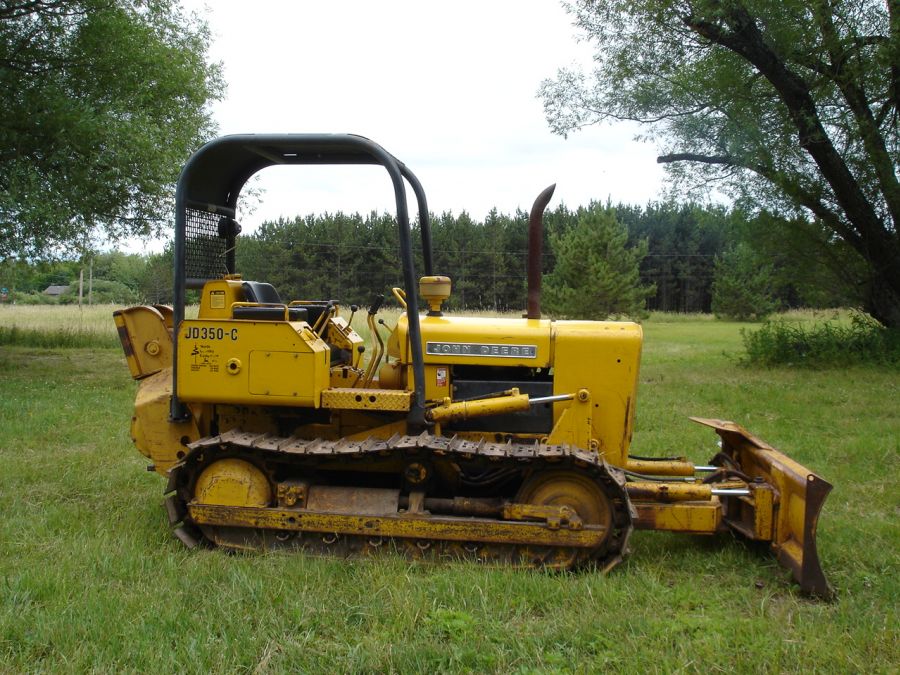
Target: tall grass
61,326
93,319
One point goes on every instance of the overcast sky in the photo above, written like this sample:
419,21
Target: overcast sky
447,87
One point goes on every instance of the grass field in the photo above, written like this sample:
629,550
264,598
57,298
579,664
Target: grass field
91,580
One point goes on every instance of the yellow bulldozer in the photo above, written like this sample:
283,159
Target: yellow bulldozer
501,440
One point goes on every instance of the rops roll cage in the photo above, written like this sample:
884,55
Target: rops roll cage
208,189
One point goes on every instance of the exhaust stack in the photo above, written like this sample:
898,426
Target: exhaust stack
536,252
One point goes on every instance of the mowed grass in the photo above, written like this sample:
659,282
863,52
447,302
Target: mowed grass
91,580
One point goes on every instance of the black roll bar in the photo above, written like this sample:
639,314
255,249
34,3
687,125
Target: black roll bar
212,179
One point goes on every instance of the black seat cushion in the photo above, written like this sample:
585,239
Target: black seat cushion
269,313
259,291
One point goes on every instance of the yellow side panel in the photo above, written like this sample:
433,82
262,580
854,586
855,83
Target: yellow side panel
218,296
273,373
251,362
602,357
437,382
480,341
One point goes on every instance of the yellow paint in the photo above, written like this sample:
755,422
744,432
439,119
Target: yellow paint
573,426
366,399
280,363
669,492
233,482
661,467
434,290
688,517
146,339
343,377
218,296
338,333
416,527
437,381
603,358
153,434
500,405
763,498
478,330
599,358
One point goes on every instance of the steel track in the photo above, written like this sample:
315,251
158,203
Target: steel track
267,450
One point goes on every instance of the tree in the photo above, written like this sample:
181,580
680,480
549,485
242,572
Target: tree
155,283
742,288
789,105
103,102
596,274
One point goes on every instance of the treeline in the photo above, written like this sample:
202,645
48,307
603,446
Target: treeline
107,277
353,257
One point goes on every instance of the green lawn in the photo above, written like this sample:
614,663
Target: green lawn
90,579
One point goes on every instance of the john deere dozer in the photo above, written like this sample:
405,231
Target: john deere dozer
499,440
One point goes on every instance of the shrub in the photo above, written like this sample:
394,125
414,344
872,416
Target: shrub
822,345
104,292
33,298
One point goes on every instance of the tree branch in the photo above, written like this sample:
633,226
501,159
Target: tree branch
693,157
858,103
744,38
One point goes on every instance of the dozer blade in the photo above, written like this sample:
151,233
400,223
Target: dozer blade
799,495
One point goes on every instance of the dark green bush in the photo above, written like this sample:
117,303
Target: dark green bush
34,298
864,340
103,292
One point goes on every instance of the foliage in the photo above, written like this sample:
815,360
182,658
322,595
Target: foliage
810,267
597,274
742,286
790,106
155,280
683,241
32,298
352,257
827,344
103,102
101,292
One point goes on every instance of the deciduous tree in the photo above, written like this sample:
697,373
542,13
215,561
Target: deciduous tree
791,105
103,101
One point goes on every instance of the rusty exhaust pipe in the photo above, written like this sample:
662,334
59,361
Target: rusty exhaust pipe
536,252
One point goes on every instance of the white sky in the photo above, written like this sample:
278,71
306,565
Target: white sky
447,87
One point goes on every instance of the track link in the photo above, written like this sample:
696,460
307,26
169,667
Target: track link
268,450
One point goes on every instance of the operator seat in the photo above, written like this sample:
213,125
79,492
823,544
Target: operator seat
270,308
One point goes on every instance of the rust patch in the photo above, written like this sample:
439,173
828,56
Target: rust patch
125,339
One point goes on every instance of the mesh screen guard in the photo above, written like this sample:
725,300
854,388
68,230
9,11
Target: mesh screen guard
205,252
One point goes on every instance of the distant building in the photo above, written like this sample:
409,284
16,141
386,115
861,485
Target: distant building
55,291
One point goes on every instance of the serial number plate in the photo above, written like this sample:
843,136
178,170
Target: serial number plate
479,349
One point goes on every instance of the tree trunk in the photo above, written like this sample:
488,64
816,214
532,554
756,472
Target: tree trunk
883,302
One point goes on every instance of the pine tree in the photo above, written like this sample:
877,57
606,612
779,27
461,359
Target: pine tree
742,286
596,274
